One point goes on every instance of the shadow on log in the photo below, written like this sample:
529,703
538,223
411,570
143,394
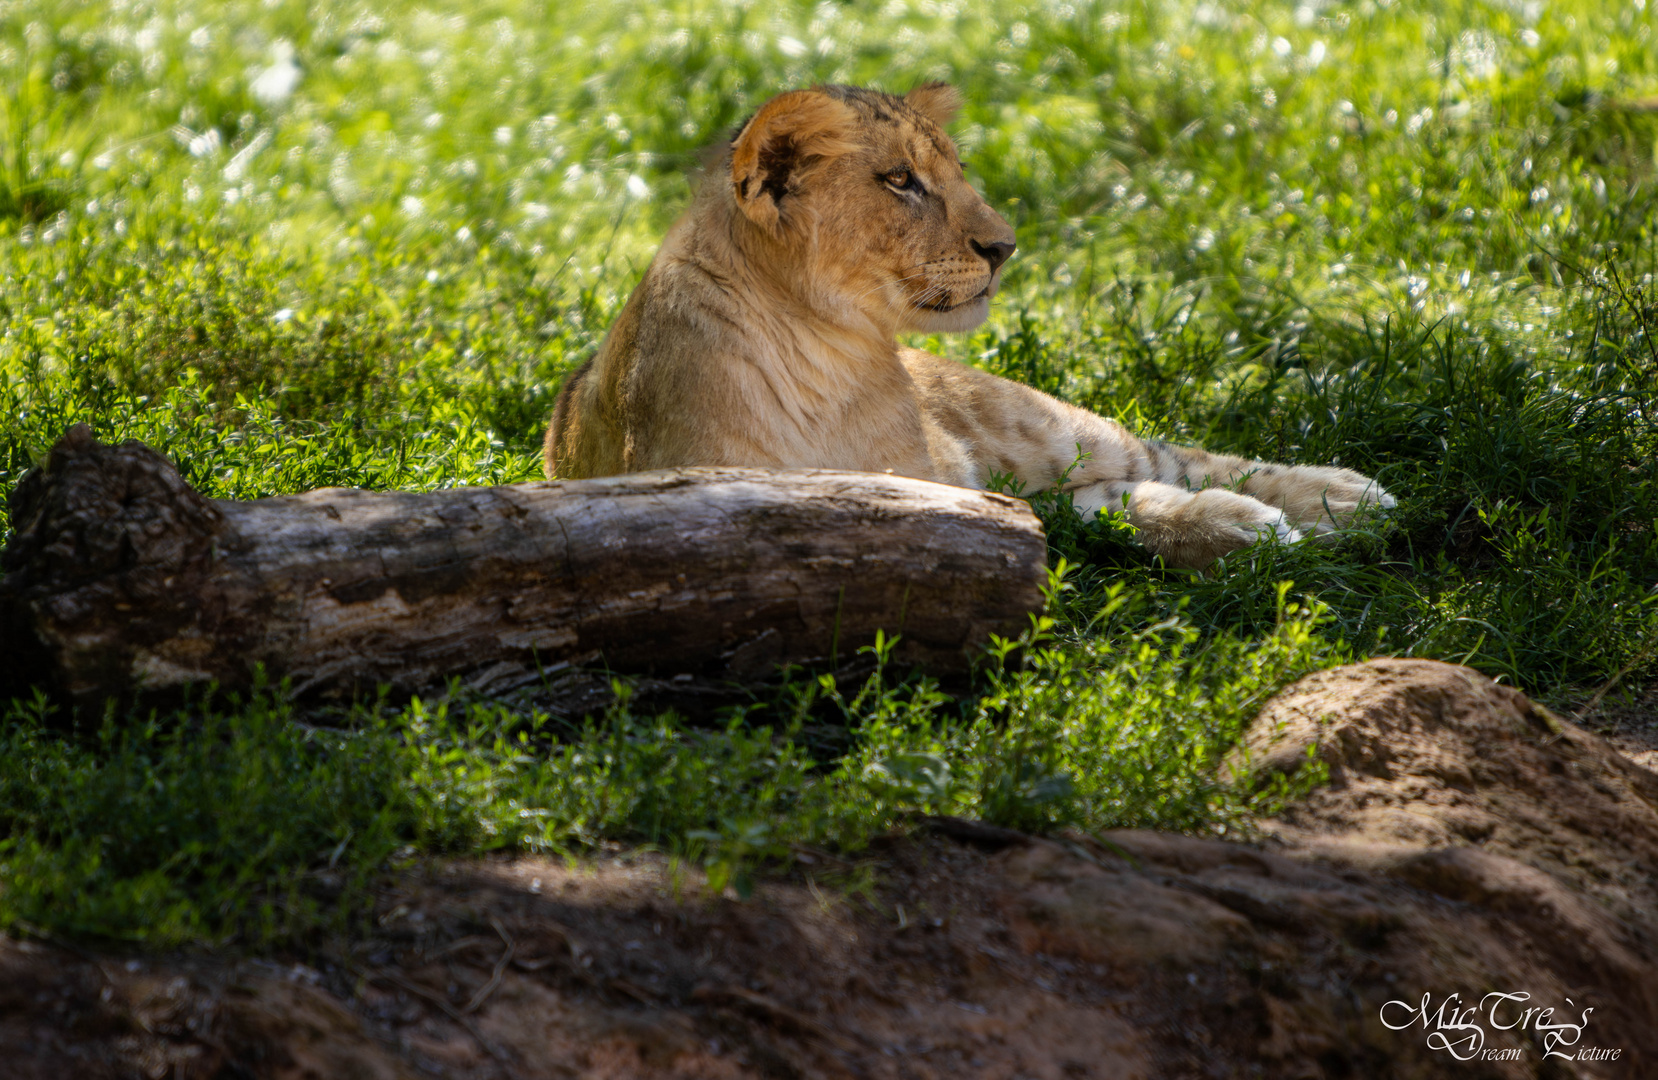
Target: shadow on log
122,581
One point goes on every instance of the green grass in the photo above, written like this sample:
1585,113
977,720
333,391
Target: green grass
242,822
1412,238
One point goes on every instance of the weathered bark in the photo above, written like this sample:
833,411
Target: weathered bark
123,580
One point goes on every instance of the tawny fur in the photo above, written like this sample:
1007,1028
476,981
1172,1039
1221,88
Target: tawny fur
765,333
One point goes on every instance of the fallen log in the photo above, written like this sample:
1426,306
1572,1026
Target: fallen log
122,581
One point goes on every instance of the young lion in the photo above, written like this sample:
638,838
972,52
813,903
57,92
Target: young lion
765,333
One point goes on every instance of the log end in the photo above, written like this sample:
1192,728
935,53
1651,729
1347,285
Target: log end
106,540
93,510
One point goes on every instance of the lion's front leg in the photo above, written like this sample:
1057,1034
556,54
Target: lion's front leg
1189,529
1315,498
1232,501
1190,506
1318,498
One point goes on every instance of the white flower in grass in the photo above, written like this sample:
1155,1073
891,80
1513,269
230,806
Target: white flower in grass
275,85
205,144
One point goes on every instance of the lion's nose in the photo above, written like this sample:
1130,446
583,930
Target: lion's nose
995,254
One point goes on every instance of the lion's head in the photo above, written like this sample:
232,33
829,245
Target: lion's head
863,196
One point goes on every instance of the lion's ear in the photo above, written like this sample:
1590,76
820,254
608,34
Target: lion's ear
938,102
774,150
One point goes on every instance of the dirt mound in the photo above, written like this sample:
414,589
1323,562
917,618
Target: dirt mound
1429,757
1469,843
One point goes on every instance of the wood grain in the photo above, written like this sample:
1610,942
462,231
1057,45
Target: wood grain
122,580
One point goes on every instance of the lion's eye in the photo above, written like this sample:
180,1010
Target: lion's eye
903,180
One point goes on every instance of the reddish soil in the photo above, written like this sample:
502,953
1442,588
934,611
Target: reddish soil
1469,842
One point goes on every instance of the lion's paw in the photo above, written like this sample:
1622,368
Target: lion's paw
1322,499
1283,530
1210,524
1252,524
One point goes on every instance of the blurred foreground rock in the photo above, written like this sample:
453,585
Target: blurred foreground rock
1469,843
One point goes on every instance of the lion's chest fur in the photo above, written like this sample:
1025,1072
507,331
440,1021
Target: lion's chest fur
823,404
695,375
